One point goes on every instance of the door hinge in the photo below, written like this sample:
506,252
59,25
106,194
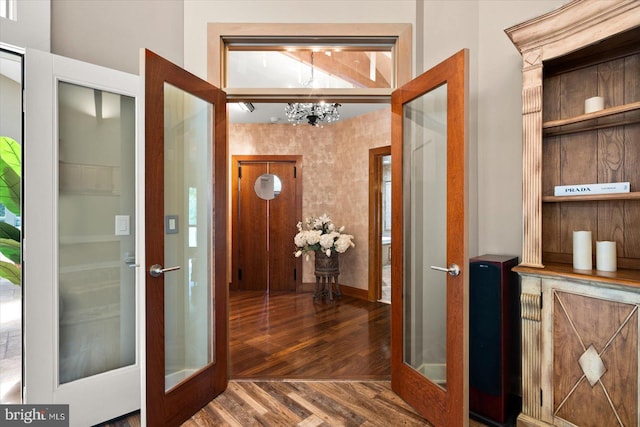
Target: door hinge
239,274
295,274
540,397
239,171
541,298
295,172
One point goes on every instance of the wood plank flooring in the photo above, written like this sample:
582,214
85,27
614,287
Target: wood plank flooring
289,336
290,357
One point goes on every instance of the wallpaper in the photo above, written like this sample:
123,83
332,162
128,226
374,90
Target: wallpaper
335,163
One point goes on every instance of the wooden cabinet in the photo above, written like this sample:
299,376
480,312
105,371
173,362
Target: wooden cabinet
580,351
579,328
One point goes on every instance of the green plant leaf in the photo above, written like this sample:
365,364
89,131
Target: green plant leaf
10,272
8,231
10,249
10,173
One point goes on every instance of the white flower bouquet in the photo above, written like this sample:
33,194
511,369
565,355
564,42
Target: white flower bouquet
319,234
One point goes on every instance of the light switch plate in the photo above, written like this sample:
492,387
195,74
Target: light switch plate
122,225
171,224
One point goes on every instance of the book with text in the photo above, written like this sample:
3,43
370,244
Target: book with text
585,189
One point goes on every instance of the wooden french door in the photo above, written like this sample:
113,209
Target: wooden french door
266,208
185,220
429,345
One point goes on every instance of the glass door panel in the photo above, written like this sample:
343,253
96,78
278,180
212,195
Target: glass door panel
425,211
96,231
188,291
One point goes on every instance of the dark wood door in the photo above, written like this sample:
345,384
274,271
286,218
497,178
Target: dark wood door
185,223
263,229
253,260
429,344
282,229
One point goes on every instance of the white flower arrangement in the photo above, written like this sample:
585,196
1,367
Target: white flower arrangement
319,234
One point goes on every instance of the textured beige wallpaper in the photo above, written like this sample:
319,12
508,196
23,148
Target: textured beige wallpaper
335,163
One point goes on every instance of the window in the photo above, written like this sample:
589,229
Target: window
317,66
315,62
8,9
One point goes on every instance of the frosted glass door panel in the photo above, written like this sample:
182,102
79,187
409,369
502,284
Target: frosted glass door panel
188,235
96,235
425,210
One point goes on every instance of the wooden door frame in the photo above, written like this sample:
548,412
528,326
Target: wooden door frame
375,220
235,162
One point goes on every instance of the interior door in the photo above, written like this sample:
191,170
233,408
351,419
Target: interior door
282,229
185,220
266,208
81,238
250,273
429,348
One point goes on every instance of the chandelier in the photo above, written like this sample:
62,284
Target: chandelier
313,113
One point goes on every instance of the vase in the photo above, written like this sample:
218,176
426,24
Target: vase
327,265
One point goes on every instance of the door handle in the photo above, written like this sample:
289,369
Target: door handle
156,269
453,269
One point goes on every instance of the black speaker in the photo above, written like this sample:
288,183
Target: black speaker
494,338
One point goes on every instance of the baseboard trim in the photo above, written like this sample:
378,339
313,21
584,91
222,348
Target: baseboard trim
355,292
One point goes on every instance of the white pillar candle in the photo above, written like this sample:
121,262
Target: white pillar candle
606,256
582,250
592,104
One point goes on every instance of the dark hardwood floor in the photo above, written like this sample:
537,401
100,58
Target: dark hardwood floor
289,336
294,361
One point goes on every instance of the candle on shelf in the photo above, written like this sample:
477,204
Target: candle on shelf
606,256
595,103
582,250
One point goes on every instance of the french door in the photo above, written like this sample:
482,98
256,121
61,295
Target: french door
429,345
101,235
81,238
185,240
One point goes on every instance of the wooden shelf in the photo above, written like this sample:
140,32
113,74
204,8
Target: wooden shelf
592,197
614,116
624,277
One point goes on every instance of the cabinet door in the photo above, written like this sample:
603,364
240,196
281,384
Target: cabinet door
595,356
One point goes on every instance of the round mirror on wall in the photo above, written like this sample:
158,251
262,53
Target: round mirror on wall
268,186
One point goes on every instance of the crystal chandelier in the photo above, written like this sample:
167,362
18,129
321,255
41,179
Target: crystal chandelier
313,113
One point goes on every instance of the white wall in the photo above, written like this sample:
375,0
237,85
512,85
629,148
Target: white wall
32,27
495,116
448,26
499,93
197,14
111,33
